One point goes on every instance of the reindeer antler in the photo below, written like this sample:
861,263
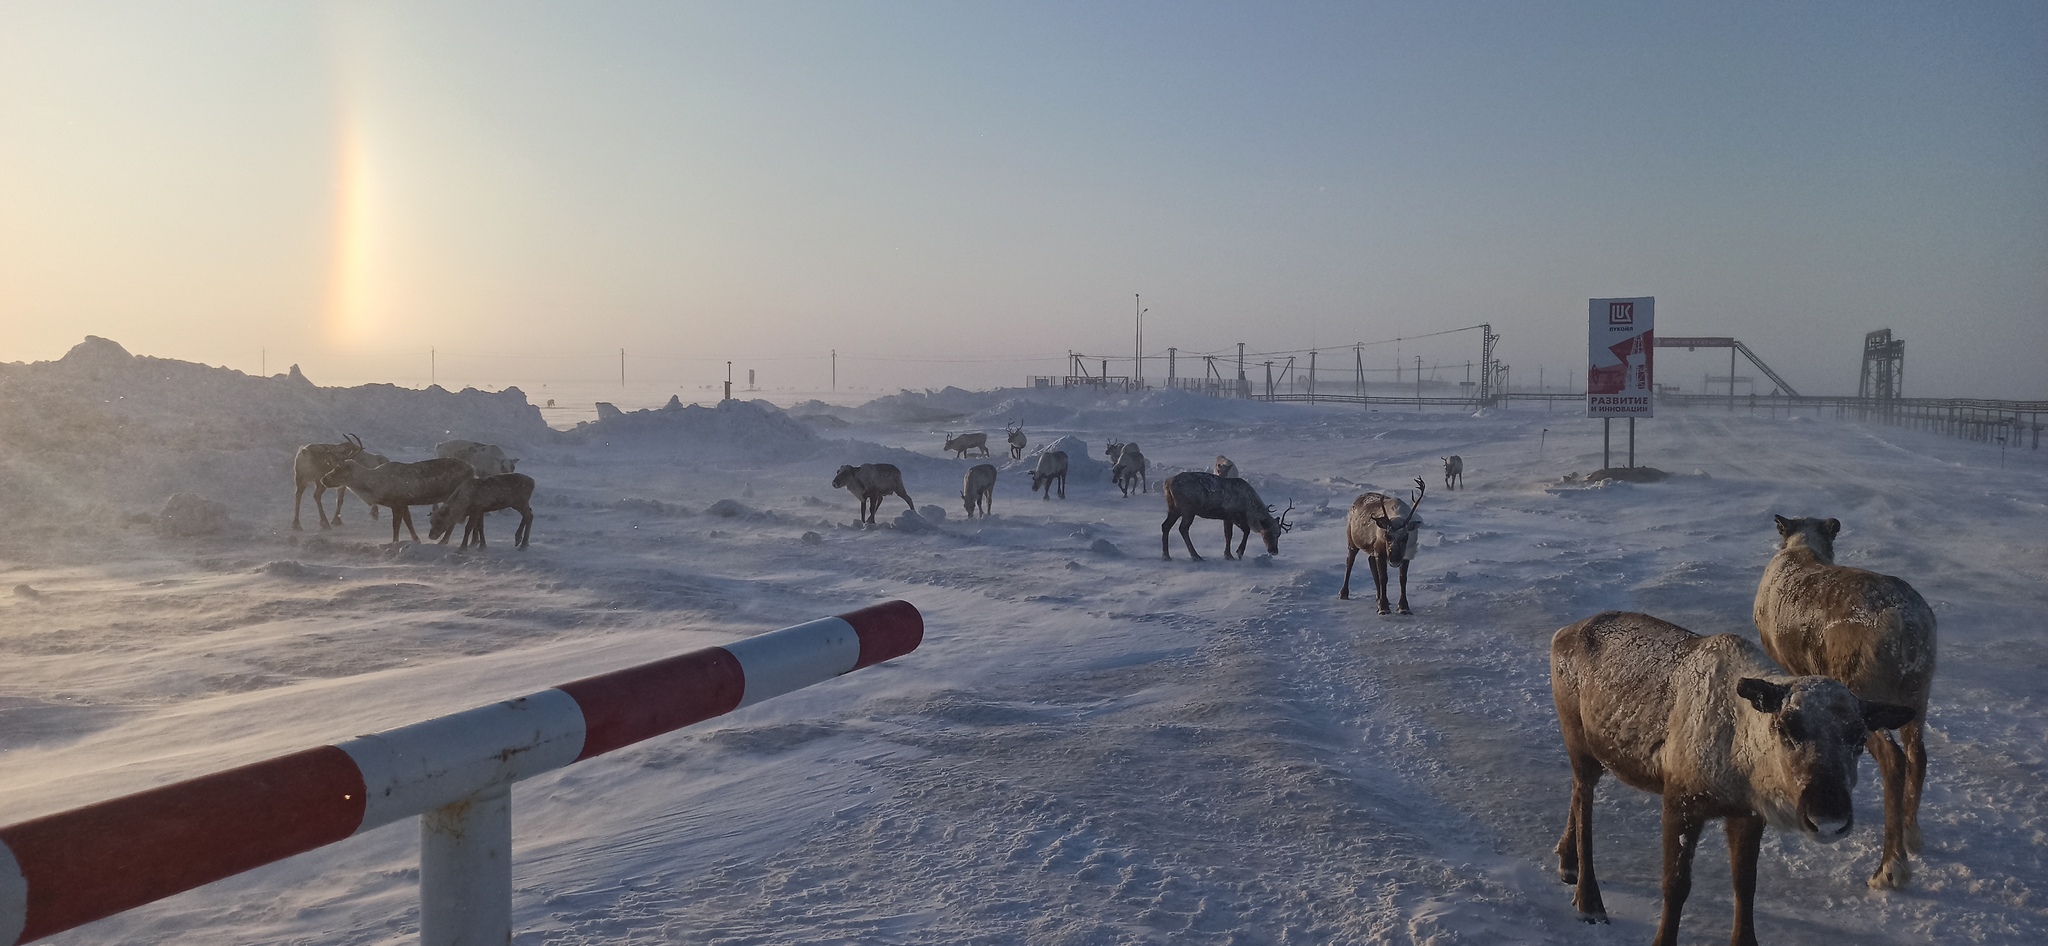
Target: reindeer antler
1284,524
1421,490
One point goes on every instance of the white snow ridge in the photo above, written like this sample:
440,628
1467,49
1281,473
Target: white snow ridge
1092,745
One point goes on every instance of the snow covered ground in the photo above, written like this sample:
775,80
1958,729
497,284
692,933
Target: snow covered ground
1092,745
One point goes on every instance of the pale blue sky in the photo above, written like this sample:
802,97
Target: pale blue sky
528,188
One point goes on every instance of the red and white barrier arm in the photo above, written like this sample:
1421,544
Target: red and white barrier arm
73,867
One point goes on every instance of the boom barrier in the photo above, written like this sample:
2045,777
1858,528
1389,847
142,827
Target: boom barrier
454,772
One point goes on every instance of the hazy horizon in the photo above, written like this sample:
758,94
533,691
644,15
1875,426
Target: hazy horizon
491,194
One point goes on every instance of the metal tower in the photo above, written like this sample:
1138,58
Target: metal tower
1884,366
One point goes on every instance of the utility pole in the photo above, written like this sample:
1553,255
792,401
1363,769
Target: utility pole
622,367
728,380
1243,387
835,369
1138,352
1418,382
1170,356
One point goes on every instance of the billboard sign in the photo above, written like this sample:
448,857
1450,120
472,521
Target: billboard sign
1620,364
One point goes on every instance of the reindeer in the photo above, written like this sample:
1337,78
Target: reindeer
1454,470
1208,496
1052,465
1875,634
1016,438
1714,728
869,482
1127,466
963,444
978,489
1385,529
483,494
402,486
309,465
1224,468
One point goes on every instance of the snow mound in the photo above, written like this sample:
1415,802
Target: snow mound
1081,463
755,430
191,514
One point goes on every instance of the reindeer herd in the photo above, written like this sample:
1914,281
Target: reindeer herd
1717,726
464,481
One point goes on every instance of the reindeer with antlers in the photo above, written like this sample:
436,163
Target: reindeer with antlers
1385,529
1208,496
1016,437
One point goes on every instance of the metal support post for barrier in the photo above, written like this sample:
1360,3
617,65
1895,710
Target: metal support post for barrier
453,772
466,872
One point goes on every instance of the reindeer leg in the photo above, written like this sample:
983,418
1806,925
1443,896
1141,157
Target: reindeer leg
1916,777
1404,589
1350,558
1185,522
1681,840
298,496
319,503
1575,850
1745,836
1166,530
1893,871
1379,580
340,493
525,531
1226,540
397,513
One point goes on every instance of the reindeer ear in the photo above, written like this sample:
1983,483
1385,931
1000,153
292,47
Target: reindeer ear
1784,525
1886,715
1833,527
1766,696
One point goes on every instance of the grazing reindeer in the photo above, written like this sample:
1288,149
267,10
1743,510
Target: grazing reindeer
978,488
481,495
1384,528
1127,466
1710,725
1052,465
1875,634
401,486
870,482
316,460
1208,496
964,444
1016,437
1454,471
1224,468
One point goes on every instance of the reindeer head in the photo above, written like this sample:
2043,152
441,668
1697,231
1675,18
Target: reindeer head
844,476
1112,450
1806,754
441,522
1816,534
1270,528
350,445
1402,533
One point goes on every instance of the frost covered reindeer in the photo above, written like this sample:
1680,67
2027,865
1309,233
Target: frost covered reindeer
869,482
1224,468
401,486
314,461
978,489
1454,471
1127,467
1386,530
1710,725
1051,468
1872,632
963,444
1016,438
1195,495
477,496
487,458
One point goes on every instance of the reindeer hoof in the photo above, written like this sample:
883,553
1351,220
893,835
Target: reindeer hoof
1891,875
1404,610
1568,877
1385,610
1600,917
1343,596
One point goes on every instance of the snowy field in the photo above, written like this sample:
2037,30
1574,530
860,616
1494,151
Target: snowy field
1093,746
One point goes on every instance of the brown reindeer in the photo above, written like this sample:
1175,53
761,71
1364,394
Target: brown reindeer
869,482
1454,471
978,489
401,486
1872,632
484,494
1017,441
1710,725
309,464
963,444
1385,529
1208,496
1051,469
1127,467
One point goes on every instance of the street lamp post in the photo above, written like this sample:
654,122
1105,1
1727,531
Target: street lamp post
1138,351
